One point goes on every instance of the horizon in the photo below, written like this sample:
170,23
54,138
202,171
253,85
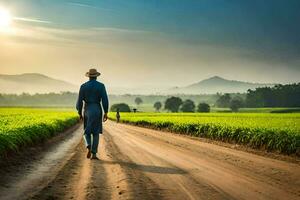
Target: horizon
153,43
99,79
41,83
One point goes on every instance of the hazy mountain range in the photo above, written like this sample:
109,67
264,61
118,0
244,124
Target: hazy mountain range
33,83
39,83
217,84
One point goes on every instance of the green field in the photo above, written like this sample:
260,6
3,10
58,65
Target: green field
149,108
20,127
258,110
276,132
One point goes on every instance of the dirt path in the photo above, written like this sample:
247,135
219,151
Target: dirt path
139,163
183,168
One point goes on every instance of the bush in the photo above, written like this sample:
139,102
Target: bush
203,107
157,105
173,103
123,107
224,101
138,101
235,105
188,106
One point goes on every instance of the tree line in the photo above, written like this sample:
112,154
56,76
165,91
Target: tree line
63,99
68,99
278,96
172,104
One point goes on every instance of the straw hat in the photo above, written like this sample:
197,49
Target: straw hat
92,73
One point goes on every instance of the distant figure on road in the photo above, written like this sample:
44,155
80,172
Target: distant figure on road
118,116
92,93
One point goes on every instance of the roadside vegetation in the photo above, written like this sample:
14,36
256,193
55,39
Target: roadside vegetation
280,98
273,132
268,99
21,127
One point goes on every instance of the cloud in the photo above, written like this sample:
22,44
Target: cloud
85,5
32,20
148,57
138,41
26,33
153,45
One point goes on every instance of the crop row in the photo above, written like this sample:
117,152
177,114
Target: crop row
21,127
274,132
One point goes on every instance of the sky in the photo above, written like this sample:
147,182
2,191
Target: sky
153,43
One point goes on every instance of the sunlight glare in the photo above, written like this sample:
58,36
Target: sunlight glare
5,18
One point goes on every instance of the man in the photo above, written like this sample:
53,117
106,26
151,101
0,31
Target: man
92,93
118,116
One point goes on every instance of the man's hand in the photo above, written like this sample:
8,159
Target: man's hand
80,117
105,117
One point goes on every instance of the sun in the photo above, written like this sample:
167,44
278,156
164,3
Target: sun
5,18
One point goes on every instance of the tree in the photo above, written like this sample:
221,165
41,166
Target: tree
138,101
188,106
123,107
224,101
157,105
277,96
203,107
173,103
236,104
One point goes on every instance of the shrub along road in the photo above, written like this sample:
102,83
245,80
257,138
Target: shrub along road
140,163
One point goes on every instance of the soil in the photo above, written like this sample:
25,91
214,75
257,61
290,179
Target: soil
141,163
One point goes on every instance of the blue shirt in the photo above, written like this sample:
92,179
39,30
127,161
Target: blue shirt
93,94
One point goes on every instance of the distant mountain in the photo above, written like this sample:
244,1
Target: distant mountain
216,84
33,83
39,83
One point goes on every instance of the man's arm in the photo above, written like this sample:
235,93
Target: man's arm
79,103
105,103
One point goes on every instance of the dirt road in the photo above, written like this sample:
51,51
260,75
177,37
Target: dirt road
139,163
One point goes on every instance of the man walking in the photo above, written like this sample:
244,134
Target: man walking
92,93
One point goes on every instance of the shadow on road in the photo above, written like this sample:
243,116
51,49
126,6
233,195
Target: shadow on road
146,168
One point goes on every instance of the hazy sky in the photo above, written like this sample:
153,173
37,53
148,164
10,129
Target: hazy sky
153,42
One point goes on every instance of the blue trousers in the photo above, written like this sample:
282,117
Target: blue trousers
92,141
